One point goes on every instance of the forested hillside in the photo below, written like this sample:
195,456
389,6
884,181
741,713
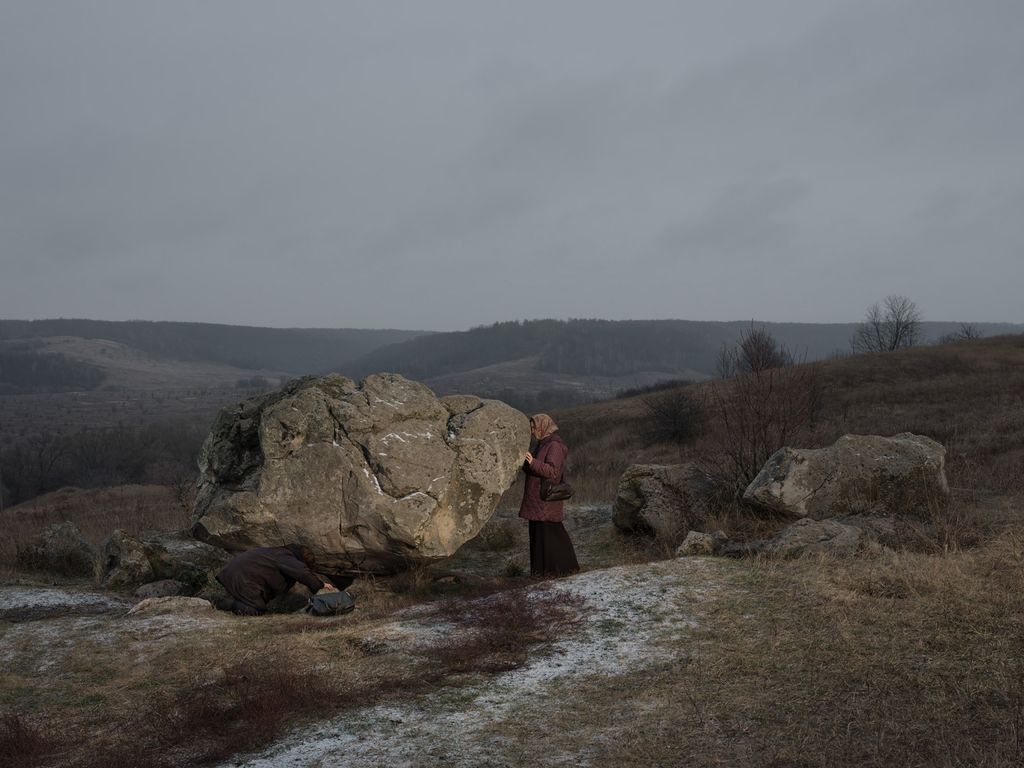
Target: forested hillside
22,369
610,348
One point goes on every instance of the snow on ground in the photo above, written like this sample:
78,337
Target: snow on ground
26,603
631,619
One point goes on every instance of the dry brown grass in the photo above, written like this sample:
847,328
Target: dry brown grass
968,396
909,659
96,512
25,744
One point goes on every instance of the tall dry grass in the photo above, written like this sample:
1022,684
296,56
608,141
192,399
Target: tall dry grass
96,513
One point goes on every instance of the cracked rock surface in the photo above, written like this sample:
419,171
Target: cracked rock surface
373,478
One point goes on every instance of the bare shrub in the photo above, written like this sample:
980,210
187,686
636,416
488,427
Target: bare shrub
758,410
494,633
674,415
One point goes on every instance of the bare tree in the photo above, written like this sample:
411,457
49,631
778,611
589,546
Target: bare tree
895,324
756,350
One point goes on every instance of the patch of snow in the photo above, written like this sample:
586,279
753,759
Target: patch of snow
629,615
42,602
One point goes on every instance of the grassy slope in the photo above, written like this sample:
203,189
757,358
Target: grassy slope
968,396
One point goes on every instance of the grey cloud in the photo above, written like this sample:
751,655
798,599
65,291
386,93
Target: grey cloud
456,163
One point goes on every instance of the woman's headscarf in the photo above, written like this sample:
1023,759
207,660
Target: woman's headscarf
543,425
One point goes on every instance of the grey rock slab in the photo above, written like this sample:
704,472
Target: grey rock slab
124,562
32,603
162,588
814,537
171,605
373,478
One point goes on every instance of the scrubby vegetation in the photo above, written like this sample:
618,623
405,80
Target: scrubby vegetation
46,461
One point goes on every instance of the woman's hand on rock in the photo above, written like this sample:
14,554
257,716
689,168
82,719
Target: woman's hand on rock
528,457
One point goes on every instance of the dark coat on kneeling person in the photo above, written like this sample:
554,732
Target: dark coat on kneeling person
259,575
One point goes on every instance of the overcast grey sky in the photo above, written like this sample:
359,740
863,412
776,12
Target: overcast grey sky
438,165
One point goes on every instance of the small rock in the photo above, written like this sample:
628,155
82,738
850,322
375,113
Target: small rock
161,605
124,562
808,537
162,588
698,543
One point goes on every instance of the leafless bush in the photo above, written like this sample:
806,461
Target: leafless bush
494,633
766,403
674,415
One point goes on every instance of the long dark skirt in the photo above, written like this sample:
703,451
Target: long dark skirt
551,552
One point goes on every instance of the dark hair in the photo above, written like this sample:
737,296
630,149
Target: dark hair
305,554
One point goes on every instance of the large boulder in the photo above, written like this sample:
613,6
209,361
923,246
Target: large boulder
372,478
664,499
858,474
60,548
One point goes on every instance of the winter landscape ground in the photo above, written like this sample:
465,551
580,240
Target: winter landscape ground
903,654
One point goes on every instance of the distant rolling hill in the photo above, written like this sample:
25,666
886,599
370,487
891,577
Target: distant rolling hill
294,351
578,360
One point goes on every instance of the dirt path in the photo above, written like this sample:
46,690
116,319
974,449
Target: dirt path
635,617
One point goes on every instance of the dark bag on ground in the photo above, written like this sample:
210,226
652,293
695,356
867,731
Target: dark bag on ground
330,604
550,491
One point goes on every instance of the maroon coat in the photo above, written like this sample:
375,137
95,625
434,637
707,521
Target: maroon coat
550,463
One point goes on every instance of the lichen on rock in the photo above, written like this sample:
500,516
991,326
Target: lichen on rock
373,478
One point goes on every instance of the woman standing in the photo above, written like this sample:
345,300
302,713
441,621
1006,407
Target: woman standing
551,551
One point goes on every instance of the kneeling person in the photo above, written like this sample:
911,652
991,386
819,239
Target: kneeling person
256,577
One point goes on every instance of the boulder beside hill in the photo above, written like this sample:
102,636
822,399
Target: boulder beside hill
372,478
664,499
858,474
